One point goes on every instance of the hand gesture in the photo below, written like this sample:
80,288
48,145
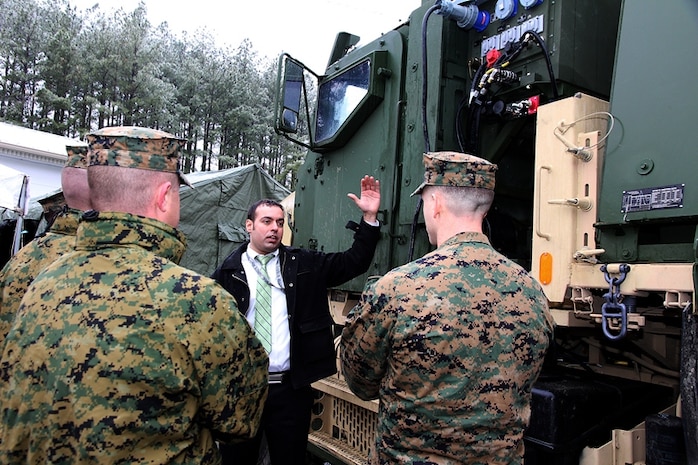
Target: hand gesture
370,199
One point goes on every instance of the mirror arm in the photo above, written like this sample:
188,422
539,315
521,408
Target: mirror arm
307,116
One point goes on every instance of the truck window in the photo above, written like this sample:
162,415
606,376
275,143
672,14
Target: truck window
339,97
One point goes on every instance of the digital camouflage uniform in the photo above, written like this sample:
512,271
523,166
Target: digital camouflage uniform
451,344
23,267
119,355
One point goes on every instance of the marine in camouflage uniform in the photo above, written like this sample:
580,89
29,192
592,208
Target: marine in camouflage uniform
118,354
450,343
23,267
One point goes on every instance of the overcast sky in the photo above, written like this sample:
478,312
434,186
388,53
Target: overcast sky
306,29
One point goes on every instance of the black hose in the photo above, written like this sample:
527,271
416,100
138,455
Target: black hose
415,218
549,64
413,234
464,140
425,21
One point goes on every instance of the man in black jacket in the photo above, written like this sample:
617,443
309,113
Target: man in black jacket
299,326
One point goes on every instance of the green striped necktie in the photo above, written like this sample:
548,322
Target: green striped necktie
262,319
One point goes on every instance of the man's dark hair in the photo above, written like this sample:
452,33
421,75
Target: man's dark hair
252,212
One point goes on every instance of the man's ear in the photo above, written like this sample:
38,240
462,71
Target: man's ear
438,203
249,225
163,196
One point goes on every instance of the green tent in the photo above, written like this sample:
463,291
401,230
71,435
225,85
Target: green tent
213,214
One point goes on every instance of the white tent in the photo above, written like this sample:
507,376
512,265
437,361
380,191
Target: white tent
14,195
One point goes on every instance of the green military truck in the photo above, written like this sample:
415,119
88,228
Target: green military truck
587,107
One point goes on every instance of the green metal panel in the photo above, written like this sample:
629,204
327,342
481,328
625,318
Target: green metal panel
322,207
447,85
650,156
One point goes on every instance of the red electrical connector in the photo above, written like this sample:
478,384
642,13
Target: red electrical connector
492,57
533,104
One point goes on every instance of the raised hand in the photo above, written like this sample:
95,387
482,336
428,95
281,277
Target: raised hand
370,199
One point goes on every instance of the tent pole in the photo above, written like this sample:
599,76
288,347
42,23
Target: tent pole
21,209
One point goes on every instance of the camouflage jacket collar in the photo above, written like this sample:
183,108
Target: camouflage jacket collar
66,223
103,229
467,236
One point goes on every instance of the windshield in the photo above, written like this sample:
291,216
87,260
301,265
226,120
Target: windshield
339,97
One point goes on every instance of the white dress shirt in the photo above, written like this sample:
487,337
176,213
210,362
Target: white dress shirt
280,356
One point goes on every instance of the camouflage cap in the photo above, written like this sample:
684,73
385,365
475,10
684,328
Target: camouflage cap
53,202
77,156
457,169
136,147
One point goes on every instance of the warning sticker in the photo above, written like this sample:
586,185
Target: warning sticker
653,198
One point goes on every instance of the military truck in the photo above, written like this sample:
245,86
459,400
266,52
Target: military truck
587,107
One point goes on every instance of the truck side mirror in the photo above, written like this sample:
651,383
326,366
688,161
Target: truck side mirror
294,88
342,103
291,96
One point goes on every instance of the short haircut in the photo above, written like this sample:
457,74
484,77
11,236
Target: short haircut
466,200
116,188
252,212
